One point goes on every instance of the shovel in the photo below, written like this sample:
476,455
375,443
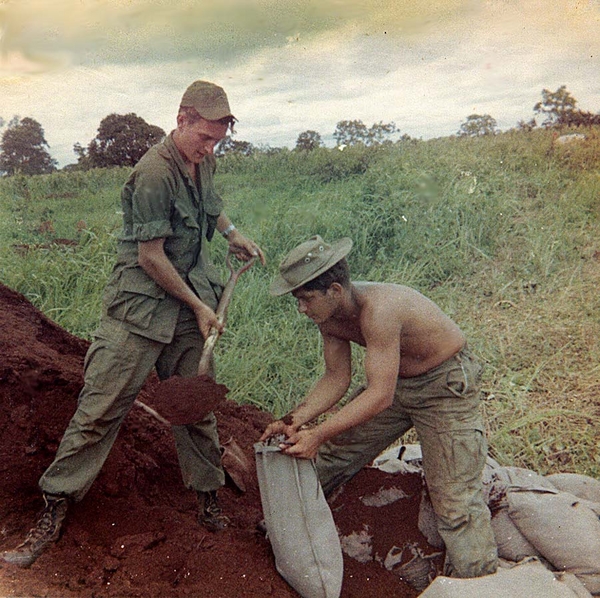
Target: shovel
182,401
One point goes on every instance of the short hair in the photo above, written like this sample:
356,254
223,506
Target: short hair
193,116
339,272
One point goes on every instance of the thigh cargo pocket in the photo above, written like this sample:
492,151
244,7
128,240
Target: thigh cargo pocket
463,453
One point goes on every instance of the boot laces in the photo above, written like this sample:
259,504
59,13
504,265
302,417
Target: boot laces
48,525
211,505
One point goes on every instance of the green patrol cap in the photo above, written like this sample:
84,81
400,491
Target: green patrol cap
208,99
307,261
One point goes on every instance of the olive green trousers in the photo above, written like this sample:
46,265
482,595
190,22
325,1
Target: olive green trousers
443,406
116,366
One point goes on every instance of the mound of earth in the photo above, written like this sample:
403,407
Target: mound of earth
135,533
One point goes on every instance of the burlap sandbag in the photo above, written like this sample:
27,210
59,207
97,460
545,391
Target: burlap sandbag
299,523
512,544
563,528
582,486
525,580
519,477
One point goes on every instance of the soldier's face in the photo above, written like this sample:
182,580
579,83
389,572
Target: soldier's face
319,306
198,139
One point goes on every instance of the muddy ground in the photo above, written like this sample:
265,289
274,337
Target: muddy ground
135,533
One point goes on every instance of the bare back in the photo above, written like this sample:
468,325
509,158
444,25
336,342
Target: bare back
427,336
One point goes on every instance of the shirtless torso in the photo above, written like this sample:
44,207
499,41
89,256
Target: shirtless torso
427,336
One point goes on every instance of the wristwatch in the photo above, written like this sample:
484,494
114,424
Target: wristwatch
226,232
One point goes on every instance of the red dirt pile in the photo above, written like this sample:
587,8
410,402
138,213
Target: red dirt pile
135,533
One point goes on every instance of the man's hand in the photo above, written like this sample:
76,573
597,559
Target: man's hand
243,248
303,444
277,428
207,320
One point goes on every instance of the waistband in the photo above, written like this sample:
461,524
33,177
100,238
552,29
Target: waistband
460,357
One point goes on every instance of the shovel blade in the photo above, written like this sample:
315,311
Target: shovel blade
185,401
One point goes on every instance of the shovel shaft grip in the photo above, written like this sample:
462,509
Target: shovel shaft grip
211,340
207,351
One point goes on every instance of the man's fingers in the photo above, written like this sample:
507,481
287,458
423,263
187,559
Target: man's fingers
261,256
247,252
271,430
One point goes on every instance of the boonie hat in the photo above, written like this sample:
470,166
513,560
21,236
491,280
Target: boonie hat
307,261
208,99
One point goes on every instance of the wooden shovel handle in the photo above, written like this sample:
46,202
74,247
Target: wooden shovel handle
209,343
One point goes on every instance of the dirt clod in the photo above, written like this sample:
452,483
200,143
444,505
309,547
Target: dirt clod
187,400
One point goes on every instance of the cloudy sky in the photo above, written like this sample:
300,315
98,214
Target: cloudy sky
293,65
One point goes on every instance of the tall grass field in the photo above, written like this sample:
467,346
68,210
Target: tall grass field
503,232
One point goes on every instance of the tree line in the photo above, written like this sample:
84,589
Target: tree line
557,109
121,140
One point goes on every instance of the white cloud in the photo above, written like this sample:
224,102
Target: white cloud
289,66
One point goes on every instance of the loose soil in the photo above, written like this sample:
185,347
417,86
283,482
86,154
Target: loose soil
177,399
135,533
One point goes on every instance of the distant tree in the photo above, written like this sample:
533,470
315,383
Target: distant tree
308,141
406,137
230,146
578,118
14,121
71,168
267,150
23,149
351,132
121,141
83,160
556,106
527,125
380,132
478,125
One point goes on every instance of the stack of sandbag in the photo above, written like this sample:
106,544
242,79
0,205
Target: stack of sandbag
580,485
555,519
562,527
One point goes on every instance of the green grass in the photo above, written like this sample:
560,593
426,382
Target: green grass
501,232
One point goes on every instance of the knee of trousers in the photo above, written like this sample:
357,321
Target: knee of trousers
333,470
456,509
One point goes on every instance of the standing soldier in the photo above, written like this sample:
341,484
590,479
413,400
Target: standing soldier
158,305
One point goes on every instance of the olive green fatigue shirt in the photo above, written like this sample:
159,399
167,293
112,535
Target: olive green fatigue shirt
160,200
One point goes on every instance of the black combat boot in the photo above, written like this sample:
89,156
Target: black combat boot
211,516
45,532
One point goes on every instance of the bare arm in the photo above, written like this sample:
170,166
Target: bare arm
154,261
382,362
328,390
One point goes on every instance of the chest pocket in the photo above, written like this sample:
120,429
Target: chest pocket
184,245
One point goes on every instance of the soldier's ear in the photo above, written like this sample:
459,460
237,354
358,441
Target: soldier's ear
336,288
